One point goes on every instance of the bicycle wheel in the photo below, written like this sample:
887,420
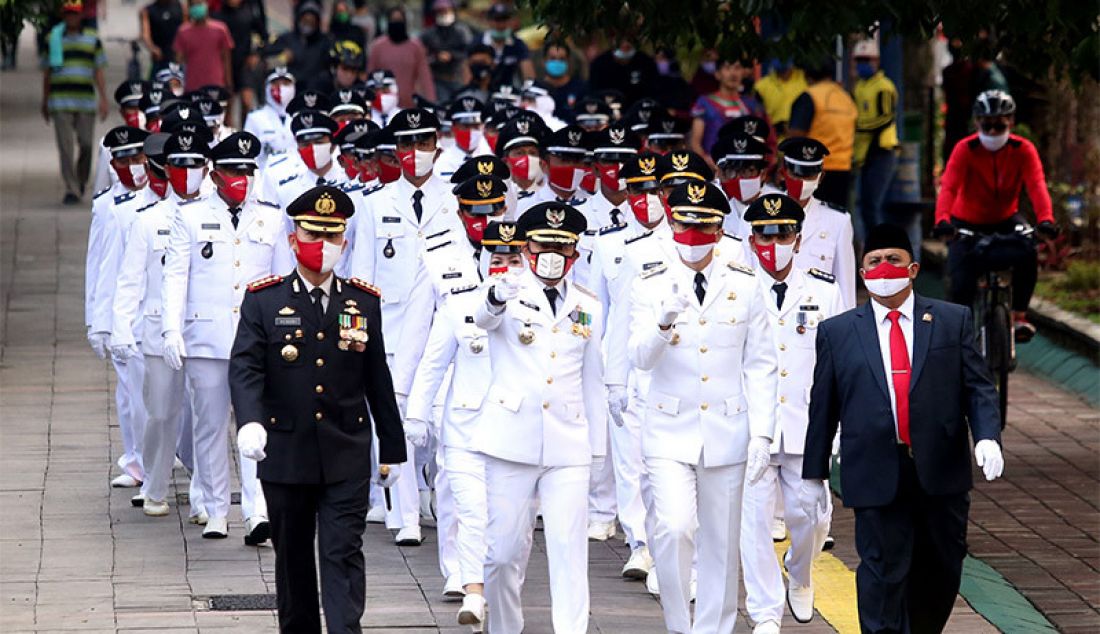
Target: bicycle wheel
999,350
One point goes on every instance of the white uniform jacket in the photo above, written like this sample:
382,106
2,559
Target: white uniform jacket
713,373
827,246
268,125
137,306
112,215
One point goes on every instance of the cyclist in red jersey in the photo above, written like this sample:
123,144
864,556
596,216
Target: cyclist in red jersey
980,191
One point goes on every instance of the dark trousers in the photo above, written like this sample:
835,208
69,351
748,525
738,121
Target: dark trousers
911,554
337,515
834,187
965,266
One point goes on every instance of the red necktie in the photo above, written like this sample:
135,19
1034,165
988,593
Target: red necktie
899,373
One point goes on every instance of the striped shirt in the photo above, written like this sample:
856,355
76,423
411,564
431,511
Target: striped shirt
72,85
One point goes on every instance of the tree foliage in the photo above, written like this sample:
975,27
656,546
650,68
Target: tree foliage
1062,36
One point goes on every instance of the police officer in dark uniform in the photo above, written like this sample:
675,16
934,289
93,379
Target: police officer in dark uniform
308,373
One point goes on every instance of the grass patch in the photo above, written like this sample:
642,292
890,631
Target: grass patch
1077,289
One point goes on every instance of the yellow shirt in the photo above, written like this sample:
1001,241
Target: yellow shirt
834,123
778,95
876,125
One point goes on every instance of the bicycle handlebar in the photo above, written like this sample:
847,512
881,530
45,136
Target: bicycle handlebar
1019,230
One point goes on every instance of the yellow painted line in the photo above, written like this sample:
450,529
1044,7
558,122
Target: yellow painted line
834,590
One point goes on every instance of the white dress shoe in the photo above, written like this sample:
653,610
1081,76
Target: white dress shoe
154,508
651,584
199,518
767,627
800,599
779,529
138,500
376,515
601,531
216,528
125,481
409,536
426,510
639,564
257,530
472,611
452,589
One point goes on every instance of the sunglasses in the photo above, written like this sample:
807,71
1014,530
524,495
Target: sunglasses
993,126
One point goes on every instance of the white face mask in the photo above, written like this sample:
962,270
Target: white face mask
693,252
993,142
137,172
886,287
550,265
389,102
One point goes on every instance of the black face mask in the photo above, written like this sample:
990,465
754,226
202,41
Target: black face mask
397,32
480,71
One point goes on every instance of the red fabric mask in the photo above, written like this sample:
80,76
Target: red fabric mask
522,166
588,182
153,125
366,172
316,155
388,173
185,180
349,167
695,237
134,118
886,271
609,177
741,188
234,188
565,177
158,185
475,226
491,139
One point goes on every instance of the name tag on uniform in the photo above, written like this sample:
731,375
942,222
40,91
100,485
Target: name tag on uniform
451,276
808,309
650,265
164,232
528,304
288,321
211,225
391,218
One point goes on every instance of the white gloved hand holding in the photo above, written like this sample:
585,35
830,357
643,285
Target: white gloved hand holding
388,475
617,401
813,497
173,349
100,342
671,307
123,353
759,456
987,453
252,440
506,288
416,431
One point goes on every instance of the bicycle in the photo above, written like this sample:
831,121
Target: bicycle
993,302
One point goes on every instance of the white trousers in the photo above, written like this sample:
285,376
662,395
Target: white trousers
601,488
253,503
765,595
461,500
561,494
131,414
185,449
163,393
209,380
697,507
626,459
405,493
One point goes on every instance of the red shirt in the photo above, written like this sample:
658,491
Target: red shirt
983,187
201,48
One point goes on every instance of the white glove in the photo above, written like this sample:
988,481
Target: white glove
416,431
506,288
124,352
988,455
759,456
393,472
671,307
251,440
173,349
100,342
835,451
813,497
617,401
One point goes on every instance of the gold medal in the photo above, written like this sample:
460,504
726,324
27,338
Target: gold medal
342,344
476,346
675,338
577,329
290,353
526,336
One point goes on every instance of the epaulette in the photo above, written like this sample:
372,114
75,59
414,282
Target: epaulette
189,201
284,156
731,236
264,282
589,232
121,198
585,291
351,186
822,275
101,192
288,179
603,231
734,266
138,211
363,286
436,234
657,270
522,194
833,206
268,203
463,289
636,238
368,192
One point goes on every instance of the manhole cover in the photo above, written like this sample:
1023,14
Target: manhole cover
240,602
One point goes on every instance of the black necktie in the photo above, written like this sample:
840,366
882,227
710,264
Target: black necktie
552,295
616,217
700,287
321,181
236,213
317,294
780,289
418,208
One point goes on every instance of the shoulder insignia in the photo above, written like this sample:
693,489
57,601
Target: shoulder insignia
147,206
264,282
585,291
636,238
189,201
278,160
436,234
653,272
288,179
268,203
589,232
121,198
364,286
741,268
368,192
822,275
351,186
732,237
463,289
603,231
101,192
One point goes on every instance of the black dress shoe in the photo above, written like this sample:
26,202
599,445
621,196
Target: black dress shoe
71,199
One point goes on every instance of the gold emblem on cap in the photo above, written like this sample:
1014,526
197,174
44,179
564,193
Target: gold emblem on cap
696,193
484,188
485,168
290,353
772,205
555,218
679,161
647,165
325,205
507,233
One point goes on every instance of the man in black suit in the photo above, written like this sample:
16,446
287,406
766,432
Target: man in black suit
307,374
903,373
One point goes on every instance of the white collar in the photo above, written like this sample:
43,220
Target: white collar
326,286
906,308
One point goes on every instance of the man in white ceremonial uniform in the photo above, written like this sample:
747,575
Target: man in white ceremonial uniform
799,301
112,213
268,123
356,146
218,245
314,162
519,144
742,163
827,231
538,418
469,141
128,96
701,328
391,236
136,330
565,152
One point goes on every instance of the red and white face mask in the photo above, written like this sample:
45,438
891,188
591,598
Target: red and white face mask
158,185
132,176
235,189
566,177
491,139
384,102
774,257
416,163
475,226
886,280
153,125
316,155
134,118
742,189
526,167
801,189
281,94
647,208
694,244
349,166
185,181
609,177
588,180
320,256
467,139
